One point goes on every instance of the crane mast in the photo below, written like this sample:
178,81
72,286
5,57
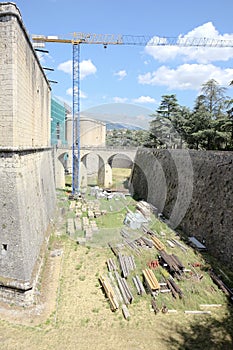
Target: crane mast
80,38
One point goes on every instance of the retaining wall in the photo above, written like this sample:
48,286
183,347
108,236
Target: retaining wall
27,200
194,190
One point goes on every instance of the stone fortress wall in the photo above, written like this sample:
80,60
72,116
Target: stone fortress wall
194,190
25,91
27,190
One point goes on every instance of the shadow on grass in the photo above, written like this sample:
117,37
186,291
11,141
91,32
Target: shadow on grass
205,333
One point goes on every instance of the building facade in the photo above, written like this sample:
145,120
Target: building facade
59,112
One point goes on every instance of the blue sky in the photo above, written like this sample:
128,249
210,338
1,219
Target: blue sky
125,83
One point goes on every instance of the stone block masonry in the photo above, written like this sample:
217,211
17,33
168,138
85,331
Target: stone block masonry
27,200
194,190
27,188
24,89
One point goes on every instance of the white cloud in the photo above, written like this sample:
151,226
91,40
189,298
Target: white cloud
186,76
120,99
201,54
69,92
66,67
144,99
86,68
121,74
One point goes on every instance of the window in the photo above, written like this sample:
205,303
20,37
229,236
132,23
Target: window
58,131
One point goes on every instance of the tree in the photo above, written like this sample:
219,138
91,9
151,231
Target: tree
179,122
214,98
206,129
197,123
162,127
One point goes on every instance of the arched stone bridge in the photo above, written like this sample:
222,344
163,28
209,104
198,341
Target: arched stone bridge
95,161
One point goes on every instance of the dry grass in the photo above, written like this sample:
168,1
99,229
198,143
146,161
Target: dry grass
82,318
73,313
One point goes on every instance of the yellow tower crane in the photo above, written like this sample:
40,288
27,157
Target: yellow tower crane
80,38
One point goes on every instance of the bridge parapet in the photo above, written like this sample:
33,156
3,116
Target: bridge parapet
102,161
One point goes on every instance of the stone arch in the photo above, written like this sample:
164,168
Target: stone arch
120,160
94,167
63,158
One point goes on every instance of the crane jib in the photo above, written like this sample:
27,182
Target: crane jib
76,39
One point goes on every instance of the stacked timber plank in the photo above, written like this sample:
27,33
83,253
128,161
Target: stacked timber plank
144,208
221,285
115,288
115,248
174,288
133,245
170,243
125,312
154,306
180,245
127,264
157,243
139,286
124,289
151,281
109,293
172,262
144,241
111,265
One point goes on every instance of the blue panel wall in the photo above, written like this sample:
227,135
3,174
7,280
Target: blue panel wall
58,115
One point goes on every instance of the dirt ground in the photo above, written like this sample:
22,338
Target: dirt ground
71,312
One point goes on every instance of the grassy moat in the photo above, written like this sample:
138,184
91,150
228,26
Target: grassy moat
71,310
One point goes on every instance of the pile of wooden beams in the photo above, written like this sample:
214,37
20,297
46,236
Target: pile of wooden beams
144,208
125,312
174,288
154,306
139,286
172,262
111,265
151,281
180,245
133,245
115,248
109,293
124,289
157,243
226,290
145,241
127,264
